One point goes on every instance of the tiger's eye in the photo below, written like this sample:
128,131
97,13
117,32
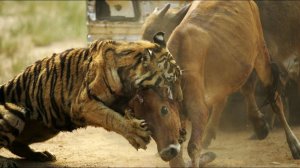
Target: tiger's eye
164,110
126,52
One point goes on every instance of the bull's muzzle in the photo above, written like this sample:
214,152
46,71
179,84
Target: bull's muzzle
169,152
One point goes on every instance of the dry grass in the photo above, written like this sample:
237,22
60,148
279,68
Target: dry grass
25,25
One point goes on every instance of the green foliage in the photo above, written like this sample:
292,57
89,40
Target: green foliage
28,24
44,22
47,21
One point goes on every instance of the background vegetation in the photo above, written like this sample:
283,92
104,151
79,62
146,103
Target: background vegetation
25,25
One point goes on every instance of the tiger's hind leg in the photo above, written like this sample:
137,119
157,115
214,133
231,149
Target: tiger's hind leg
7,163
12,121
24,151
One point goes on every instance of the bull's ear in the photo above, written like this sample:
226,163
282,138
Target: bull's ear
159,39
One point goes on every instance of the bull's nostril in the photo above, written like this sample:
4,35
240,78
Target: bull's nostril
170,152
173,152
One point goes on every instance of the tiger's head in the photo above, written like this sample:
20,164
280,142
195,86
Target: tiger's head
142,64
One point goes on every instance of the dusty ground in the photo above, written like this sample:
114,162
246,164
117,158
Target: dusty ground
95,147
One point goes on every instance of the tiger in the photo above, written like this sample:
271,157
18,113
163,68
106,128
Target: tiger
77,88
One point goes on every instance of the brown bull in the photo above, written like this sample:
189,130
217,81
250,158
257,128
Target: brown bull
218,44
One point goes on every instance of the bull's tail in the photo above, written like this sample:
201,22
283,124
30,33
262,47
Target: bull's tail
276,86
2,98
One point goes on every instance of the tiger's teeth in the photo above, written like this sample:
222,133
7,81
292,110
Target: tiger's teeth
170,94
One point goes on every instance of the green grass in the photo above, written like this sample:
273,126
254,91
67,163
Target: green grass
46,21
28,24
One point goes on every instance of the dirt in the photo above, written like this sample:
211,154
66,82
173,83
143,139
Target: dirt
95,147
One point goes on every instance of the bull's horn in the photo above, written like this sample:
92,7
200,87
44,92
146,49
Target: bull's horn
164,10
178,95
182,12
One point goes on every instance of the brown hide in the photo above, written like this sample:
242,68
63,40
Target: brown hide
152,26
228,40
162,117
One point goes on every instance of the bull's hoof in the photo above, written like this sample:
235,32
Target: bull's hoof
177,162
294,146
261,129
207,158
262,132
208,139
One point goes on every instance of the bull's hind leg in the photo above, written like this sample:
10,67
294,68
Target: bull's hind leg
24,151
270,79
261,127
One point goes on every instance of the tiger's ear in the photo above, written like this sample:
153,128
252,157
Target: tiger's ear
159,39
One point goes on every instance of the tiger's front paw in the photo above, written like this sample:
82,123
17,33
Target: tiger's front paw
43,157
138,134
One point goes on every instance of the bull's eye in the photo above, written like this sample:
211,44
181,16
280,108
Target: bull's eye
164,111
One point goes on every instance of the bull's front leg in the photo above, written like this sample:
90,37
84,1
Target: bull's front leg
198,115
88,111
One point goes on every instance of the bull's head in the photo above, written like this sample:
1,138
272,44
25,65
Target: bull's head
162,116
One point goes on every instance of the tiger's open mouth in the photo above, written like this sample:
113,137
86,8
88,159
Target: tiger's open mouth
170,94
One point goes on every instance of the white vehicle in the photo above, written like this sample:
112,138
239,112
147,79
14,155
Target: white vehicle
120,20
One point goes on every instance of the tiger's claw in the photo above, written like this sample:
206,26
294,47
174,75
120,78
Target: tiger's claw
138,133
